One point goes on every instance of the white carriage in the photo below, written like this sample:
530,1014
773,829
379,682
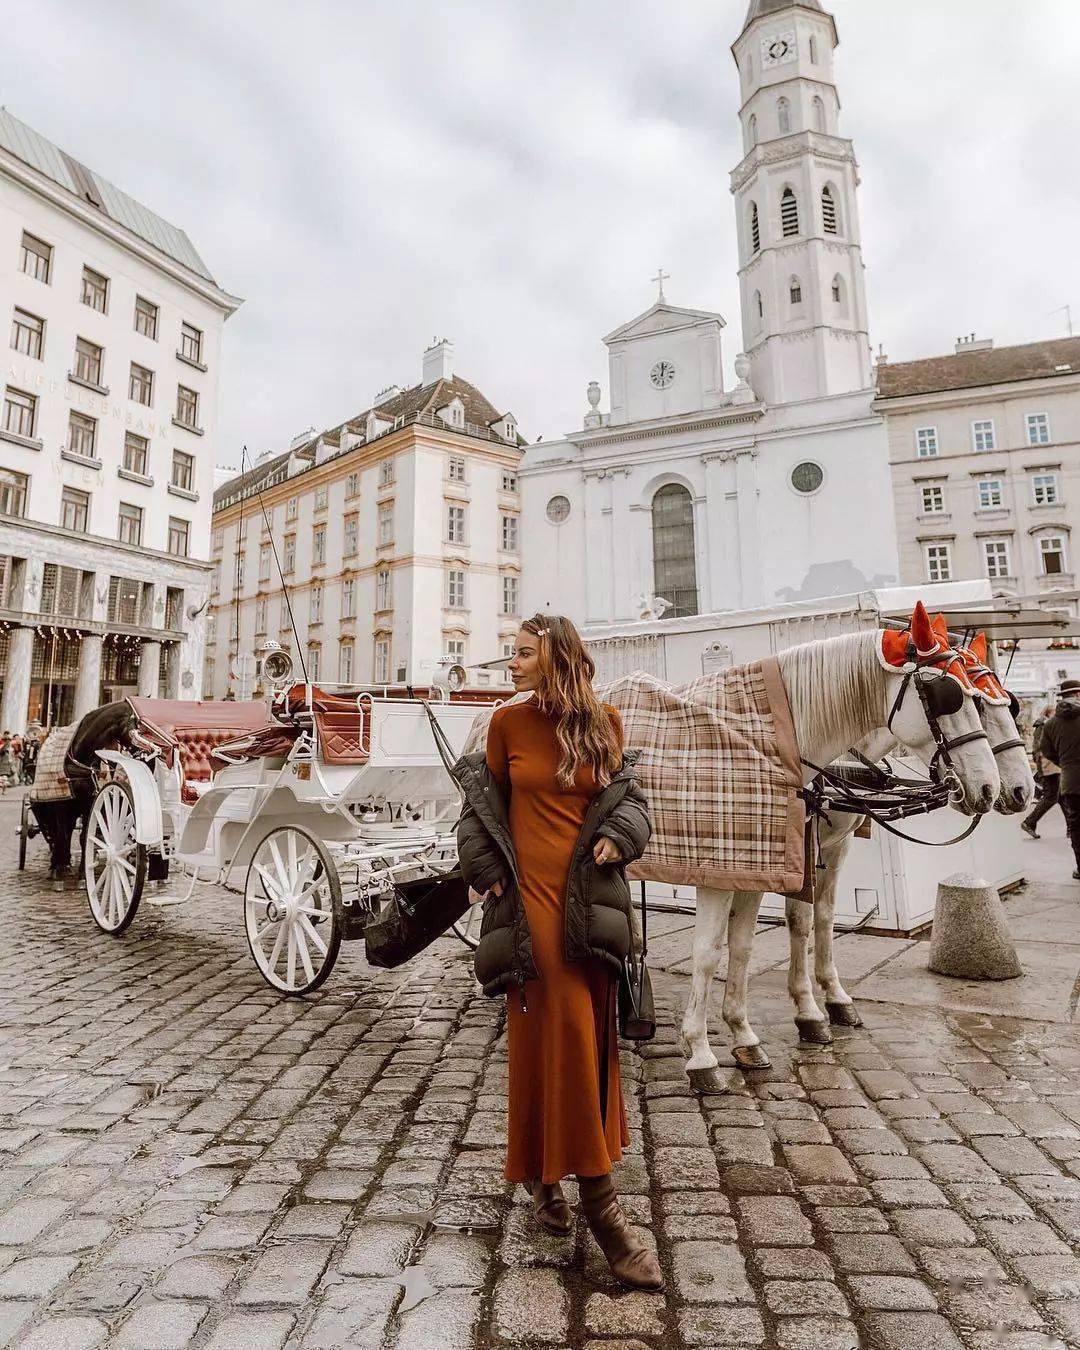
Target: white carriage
315,804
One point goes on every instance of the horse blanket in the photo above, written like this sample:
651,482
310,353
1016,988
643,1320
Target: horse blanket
719,763
50,781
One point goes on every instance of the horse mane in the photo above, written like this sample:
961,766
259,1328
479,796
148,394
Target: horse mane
833,686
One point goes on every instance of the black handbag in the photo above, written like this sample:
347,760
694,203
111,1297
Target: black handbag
414,915
637,1012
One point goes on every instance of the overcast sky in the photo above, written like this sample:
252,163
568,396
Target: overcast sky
369,174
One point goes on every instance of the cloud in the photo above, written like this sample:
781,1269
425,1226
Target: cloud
511,175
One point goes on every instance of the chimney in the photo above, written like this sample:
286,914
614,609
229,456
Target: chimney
438,362
973,344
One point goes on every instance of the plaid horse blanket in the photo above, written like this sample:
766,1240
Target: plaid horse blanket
50,781
719,763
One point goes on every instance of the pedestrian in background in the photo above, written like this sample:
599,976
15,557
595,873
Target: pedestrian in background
1047,775
551,816
1060,744
8,769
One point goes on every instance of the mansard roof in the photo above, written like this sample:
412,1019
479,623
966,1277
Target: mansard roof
970,370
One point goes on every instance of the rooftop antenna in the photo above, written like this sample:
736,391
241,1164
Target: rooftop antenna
1067,311
281,575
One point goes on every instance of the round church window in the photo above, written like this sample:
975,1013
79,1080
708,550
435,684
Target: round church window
807,477
558,509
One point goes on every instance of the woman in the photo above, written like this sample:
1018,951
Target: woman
551,817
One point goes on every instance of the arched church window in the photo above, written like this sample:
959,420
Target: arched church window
755,228
674,564
752,130
789,213
783,116
819,114
839,293
795,290
830,217
813,50
759,308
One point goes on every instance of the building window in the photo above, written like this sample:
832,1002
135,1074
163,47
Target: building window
759,306
674,565
1038,428
318,545
20,413
839,293
386,523
829,217
510,603
982,435
455,469
260,614
990,493
322,497
179,532
183,470
136,450
264,562
141,385
241,562
187,406
386,473
455,650
996,554
88,361
455,523
783,116
507,653
95,289
795,291
292,507
383,592
455,588
382,660
510,534
13,490
27,334
352,535
789,213
509,482
1044,488
124,598
74,509
938,565
933,499
191,343
130,529
82,434
926,443
288,554
314,661
36,258
352,485
348,599
346,652
146,317
819,121
755,228
315,603
1052,553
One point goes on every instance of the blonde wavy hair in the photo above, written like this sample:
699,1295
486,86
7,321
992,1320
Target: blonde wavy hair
584,731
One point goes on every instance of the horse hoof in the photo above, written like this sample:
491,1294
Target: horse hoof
751,1057
707,1081
843,1014
813,1030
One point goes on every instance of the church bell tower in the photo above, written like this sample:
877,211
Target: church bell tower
800,262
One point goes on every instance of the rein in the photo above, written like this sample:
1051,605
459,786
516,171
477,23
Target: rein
942,755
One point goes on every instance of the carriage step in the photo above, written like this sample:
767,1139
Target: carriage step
165,901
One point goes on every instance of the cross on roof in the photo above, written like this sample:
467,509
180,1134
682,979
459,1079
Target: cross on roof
660,278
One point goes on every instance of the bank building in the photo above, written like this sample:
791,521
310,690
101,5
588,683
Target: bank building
686,497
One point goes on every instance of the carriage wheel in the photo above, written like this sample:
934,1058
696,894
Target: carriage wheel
292,910
24,831
114,862
467,927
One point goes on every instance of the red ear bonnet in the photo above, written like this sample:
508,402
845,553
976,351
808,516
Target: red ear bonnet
929,641
986,683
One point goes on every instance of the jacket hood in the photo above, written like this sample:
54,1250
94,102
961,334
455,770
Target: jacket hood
1067,709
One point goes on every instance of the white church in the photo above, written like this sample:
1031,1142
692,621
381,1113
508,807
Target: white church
687,498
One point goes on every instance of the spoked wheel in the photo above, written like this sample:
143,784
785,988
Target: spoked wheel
24,831
292,910
114,862
467,927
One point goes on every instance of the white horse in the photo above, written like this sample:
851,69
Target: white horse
1016,794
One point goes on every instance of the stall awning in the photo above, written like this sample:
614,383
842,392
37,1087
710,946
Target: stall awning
1008,618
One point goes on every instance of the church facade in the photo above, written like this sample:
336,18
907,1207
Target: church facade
686,497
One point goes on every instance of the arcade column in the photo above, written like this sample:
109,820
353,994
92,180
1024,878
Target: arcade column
17,680
88,680
149,664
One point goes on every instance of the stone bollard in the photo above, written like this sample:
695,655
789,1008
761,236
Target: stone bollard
970,938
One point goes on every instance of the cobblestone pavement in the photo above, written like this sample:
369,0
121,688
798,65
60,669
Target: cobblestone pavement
191,1160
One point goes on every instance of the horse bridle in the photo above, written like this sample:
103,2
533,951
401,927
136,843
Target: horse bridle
941,763
976,670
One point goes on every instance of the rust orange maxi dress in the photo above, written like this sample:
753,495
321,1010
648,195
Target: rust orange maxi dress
565,1105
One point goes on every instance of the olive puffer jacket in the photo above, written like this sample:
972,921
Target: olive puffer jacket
597,898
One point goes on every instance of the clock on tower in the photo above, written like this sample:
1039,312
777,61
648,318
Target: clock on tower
777,49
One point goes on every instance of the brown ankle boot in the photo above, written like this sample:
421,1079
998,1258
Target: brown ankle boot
631,1262
550,1207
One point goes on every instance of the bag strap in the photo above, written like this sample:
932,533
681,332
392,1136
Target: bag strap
442,742
644,924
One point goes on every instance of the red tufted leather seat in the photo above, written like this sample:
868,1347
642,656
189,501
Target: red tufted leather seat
194,730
